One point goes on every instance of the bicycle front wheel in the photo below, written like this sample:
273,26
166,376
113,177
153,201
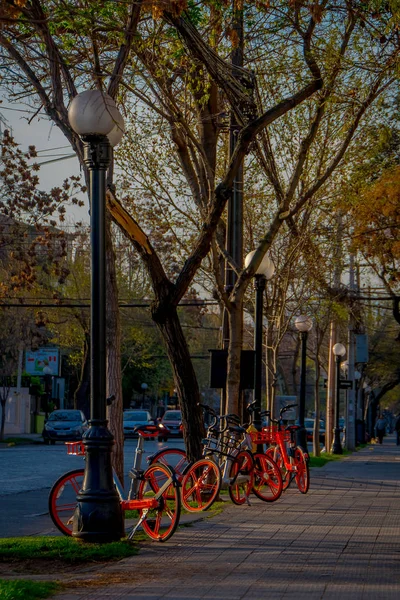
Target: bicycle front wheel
276,454
268,484
62,499
200,485
242,477
160,523
302,476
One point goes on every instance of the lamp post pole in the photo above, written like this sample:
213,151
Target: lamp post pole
357,420
339,351
303,324
259,286
98,516
265,271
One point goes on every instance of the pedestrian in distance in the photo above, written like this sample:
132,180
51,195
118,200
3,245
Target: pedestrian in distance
380,428
397,429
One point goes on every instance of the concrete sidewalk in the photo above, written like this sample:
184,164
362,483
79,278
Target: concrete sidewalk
341,540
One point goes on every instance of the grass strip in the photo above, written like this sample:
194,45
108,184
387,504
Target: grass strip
23,589
320,461
67,549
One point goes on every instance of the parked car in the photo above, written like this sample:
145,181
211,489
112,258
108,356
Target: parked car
170,425
133,418
64,426
309,425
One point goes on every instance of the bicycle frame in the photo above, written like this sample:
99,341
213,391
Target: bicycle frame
132,502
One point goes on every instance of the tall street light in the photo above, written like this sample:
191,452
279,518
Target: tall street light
303,324
98,517
357,420
265,271
339,351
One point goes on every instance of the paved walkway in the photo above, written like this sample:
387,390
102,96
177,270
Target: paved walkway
341,540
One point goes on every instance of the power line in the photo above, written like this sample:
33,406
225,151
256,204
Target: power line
74,305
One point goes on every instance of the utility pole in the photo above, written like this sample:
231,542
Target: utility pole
331,396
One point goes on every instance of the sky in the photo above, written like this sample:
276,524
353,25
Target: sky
51,145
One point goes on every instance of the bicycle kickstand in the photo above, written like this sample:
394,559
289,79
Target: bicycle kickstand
138,524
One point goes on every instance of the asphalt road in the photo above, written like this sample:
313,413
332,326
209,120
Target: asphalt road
27,473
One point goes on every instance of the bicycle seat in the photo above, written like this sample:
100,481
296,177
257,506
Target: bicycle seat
147,430
292,427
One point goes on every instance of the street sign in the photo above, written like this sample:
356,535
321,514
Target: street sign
361,348
346,384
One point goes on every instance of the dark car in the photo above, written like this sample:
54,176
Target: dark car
64,426
170,425
133,418
309,425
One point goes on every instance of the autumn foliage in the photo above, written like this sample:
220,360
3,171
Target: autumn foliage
376,215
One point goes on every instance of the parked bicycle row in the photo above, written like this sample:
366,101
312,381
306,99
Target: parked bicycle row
231,460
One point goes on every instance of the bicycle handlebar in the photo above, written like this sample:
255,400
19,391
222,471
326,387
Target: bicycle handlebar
228,418
267,413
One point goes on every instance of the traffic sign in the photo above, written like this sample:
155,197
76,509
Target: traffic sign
346,384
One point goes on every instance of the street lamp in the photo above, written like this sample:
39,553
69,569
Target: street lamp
265,271
47,373
303,324
339,351
358,421
98,517
144,387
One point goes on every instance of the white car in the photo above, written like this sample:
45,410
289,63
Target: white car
133,418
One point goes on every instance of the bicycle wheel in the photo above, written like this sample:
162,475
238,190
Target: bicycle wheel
62,499
242,477
276,454
268,484
302,476
161,522
172,457
200,485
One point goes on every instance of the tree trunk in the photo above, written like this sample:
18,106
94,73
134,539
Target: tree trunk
114,375
184,377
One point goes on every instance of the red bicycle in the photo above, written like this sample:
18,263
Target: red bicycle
290,458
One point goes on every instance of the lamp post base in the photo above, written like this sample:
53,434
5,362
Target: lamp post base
336,446
301,438
98,516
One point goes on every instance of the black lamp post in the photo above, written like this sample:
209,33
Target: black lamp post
339,351
357,420
303,324
47,373
144,387
98,516
265,271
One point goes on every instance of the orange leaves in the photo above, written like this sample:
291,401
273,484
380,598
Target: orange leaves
8,11
158,7
377,218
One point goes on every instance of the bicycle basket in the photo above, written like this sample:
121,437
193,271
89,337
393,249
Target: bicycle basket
75,448
268,435
260,437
